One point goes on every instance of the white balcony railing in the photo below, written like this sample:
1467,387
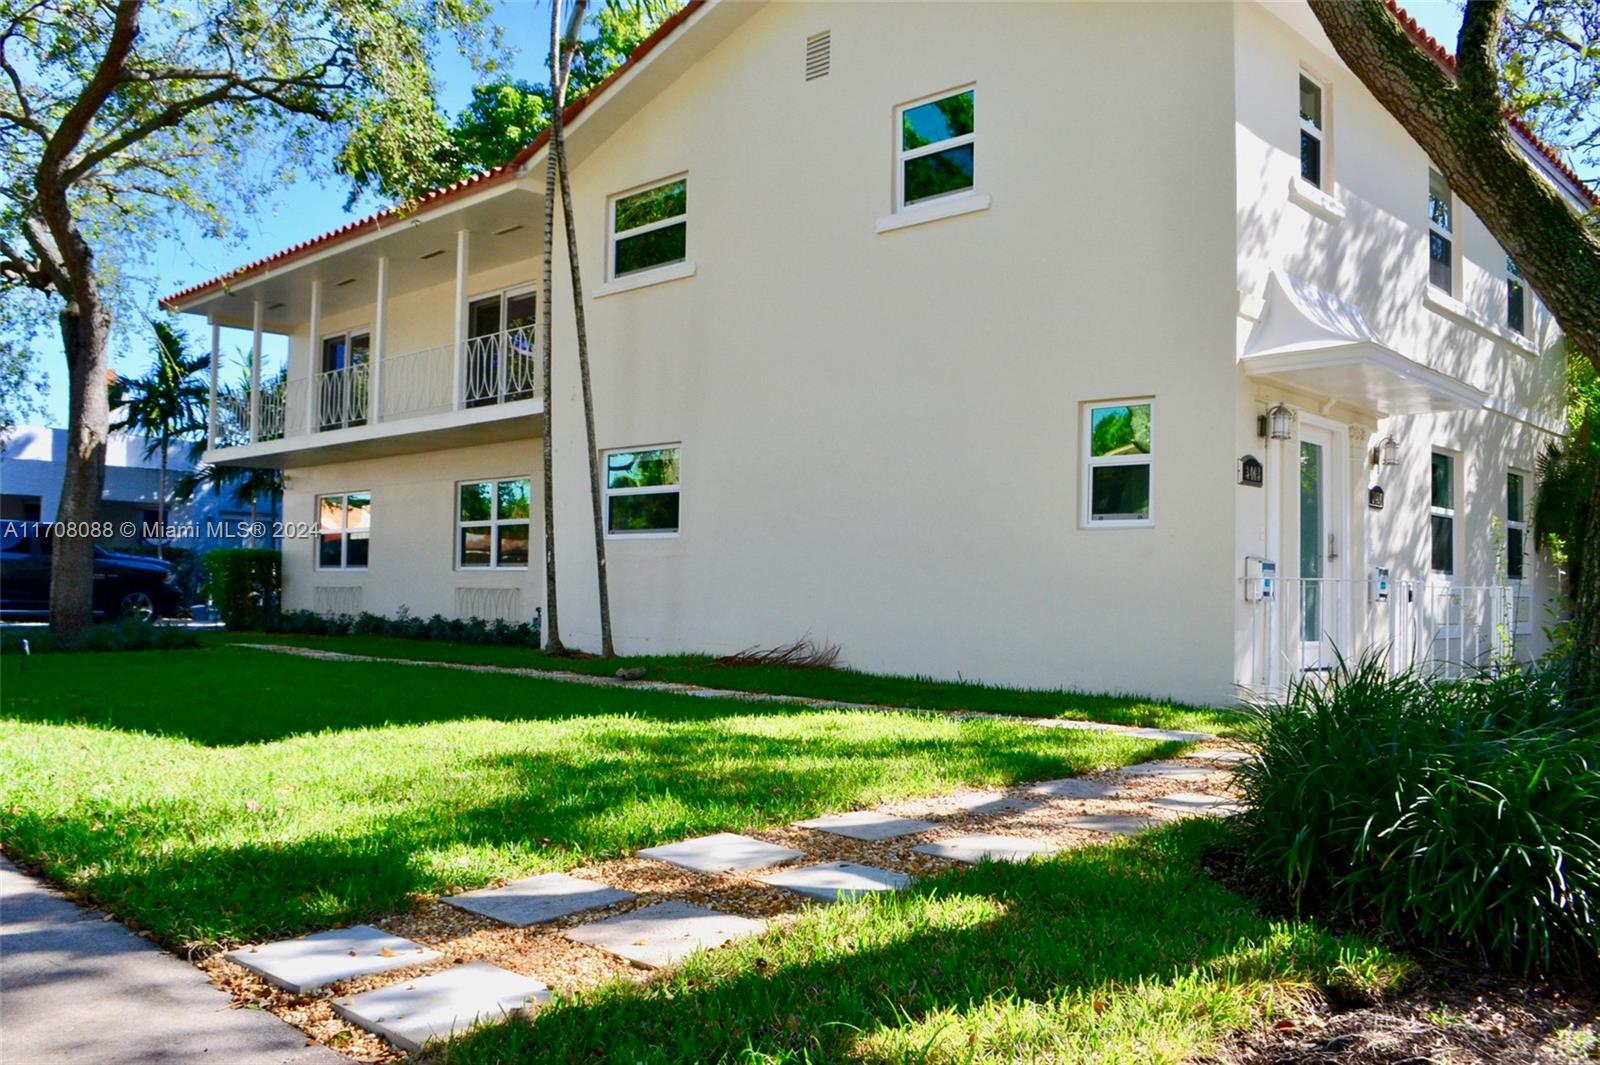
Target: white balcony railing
1442,630
482,371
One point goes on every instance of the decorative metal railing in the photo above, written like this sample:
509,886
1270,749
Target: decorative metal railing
481,371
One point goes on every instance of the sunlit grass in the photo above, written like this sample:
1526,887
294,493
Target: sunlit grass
224,794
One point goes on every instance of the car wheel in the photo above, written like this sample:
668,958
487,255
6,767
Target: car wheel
138,605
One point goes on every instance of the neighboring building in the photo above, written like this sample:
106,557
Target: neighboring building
947,333
33,462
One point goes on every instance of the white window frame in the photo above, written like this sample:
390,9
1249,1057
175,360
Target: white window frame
344,539
1090,463
493,522
678,267
659,489
1517,286
902,155
1448,233
526,288
1453,512
1321,135
1520,525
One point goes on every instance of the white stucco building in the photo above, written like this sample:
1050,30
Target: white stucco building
991,339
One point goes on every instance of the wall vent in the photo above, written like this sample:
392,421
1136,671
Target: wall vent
490,604
340,599
819,51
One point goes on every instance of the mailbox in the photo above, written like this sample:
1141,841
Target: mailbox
1260,579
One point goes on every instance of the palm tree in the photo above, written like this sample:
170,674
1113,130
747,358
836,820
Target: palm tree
165,406
252,484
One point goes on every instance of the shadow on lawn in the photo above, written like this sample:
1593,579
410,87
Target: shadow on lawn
235,863
1021,951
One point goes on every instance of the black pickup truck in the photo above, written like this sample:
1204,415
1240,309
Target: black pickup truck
125,586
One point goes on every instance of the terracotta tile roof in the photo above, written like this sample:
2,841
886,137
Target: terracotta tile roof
1445,59
486,179
499,174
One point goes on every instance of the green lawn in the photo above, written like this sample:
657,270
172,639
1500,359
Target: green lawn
844,685
224,794
1119,953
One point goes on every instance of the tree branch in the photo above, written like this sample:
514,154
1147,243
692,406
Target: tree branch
1477,51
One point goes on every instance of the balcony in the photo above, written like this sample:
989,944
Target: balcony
477,391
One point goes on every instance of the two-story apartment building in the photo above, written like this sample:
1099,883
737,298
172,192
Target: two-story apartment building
1014,341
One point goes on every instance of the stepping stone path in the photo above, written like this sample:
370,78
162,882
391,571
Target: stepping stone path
1168,771
435,1007
661,934
412,1012
1193,802
978,848
1116,824
867,825
832,881
314,961
538,899
724,852
1075,788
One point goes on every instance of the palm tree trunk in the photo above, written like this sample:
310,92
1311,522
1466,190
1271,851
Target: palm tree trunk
552,623
558,142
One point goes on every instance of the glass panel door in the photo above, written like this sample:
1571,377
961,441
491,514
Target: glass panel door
1313,477
1322,515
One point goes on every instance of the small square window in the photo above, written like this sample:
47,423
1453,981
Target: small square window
1118,459
642,492
344,528
650,228
492,523
935,156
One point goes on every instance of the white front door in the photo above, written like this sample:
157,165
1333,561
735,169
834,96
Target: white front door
1323,602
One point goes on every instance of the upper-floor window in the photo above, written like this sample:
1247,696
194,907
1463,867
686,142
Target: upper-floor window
492,523
935,154
1516,525
642,492
1118,462
1516,299
1441,234
341,387
1311,130
1442,514
344,526
650,228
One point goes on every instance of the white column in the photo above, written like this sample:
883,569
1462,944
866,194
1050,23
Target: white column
211,405
255,369
380,336
458,375
314,361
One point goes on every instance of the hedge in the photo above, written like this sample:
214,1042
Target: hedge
245,584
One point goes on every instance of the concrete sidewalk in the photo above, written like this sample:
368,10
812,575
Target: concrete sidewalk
77,988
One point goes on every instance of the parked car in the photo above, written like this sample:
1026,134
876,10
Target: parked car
125,586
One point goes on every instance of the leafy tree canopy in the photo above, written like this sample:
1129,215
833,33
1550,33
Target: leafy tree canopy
1550,74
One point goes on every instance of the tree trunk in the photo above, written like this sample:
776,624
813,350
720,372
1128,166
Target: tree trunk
558,144
84,331
552,623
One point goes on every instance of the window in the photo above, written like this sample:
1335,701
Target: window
650,228
342,386
500,361
344,523
492,524
1441,247
1117,480
1311,131
1516,299
1442,514
935,154
1516,526
642,492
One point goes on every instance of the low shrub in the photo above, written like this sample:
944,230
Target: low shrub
405,626
245,583
1464,813
128,634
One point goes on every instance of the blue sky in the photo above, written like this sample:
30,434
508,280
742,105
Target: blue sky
307,208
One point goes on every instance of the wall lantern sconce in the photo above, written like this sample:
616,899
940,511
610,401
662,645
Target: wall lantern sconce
1387,453
1276,424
